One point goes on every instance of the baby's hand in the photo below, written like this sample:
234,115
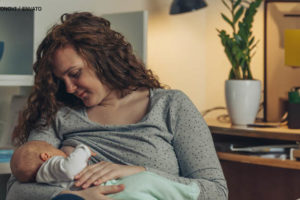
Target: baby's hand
92,153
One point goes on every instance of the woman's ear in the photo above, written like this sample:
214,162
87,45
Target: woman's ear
45,156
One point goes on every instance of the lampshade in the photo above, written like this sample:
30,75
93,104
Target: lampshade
182,6
292,47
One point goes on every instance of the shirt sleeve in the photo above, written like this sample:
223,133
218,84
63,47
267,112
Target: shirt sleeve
195,152
36,191
48,134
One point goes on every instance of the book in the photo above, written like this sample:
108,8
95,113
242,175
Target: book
265,148
5,155
294,154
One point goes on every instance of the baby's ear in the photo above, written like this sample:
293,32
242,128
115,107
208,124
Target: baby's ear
44,156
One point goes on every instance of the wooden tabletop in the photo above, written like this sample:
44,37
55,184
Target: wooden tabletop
280,133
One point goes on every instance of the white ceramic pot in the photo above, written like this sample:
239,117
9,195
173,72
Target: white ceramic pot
242,100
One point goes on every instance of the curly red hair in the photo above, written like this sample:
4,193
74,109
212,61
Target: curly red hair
104,49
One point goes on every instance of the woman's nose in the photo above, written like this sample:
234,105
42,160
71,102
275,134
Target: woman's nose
70,87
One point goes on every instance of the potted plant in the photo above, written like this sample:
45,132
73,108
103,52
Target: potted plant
241,90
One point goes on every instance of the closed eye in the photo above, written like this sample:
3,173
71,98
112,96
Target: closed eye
75,74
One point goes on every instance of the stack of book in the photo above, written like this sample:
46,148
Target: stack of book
279,151
5,155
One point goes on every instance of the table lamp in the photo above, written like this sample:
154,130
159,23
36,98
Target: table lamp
182,6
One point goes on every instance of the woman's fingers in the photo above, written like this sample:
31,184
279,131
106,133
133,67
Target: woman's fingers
84,171
102,175
84,177
111,189
91,172
96,176
91,168
112,174
104,171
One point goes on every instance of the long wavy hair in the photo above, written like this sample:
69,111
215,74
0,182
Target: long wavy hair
103,49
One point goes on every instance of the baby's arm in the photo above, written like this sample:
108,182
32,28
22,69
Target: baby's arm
64,169
76,161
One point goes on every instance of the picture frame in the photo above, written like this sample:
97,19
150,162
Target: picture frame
279,79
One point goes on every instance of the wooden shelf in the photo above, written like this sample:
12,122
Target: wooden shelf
16,80
272,162
280,133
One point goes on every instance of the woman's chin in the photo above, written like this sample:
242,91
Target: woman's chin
88,103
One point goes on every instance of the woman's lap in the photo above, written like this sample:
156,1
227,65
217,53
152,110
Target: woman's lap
67,197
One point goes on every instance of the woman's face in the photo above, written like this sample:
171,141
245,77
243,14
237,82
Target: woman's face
80,80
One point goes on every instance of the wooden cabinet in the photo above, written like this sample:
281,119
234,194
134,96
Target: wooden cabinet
252,177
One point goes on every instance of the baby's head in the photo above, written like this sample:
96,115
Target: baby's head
28,158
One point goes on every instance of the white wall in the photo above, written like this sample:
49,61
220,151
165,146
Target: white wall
186,52
52,10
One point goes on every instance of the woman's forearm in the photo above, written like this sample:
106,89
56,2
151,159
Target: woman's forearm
96,192
29,191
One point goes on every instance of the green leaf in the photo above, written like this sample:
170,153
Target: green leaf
253,46
227,20
226,5
238,14
239,45
231,75
236,4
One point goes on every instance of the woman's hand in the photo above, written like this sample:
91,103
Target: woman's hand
97,192
104,171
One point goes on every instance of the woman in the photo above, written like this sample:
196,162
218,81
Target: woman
91,89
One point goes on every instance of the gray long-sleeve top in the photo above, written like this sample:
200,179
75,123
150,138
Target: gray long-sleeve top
171,140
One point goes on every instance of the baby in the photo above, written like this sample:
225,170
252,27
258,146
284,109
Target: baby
41,162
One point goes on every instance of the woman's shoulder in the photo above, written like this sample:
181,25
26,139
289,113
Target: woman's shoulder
171,94
173,99
64,111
